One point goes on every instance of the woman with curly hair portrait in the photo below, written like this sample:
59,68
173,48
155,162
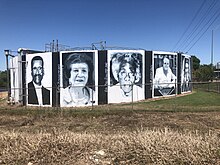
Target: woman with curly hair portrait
126,77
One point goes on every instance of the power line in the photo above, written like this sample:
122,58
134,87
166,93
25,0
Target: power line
197,26
195,31
198,11
208,25
204,32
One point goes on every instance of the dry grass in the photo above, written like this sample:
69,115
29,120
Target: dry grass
3,95
139,147
186,131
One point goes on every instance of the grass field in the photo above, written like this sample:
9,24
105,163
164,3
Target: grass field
178,130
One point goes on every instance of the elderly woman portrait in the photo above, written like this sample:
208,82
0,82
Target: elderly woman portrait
126,77
78,80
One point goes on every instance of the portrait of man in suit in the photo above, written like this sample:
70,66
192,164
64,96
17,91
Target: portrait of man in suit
37,94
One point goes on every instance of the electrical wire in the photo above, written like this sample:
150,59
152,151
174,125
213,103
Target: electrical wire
190,24
208,24
198,27
201,26
204,32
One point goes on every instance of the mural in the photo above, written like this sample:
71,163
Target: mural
39,79
165,71
186,79
125,76
92,77
78,79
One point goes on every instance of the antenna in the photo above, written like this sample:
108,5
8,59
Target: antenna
55,47
101,44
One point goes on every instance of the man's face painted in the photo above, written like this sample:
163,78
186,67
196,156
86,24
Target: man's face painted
166,64
37,71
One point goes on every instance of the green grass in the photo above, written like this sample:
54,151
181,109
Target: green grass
198,98
198,101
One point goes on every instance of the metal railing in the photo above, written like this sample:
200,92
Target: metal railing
59,97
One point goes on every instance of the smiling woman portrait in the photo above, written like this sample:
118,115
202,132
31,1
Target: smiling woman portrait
78,73
125,77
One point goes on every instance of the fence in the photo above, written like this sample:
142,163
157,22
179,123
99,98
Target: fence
207,86
136,101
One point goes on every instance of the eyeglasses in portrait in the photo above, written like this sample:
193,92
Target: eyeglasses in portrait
125,77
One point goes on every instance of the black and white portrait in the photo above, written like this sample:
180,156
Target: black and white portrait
186,74
39,77
126,76
78,79
165,79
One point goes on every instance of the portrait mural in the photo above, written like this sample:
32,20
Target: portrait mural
126,76
165,71
78,81
39,79
91,77
186,77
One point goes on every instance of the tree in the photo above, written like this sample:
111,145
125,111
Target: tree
196,63
195,67
204,73
3,79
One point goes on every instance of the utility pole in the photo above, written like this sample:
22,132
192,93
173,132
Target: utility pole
212,47
8,74
8,53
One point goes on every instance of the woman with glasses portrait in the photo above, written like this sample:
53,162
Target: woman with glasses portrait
126,72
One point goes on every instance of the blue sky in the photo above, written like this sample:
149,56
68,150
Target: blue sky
147,24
